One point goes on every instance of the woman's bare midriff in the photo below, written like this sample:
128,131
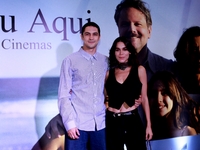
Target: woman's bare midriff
123,108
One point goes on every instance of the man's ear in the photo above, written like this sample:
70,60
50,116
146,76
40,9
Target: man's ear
81,36
149,30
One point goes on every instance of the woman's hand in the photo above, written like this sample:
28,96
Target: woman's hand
149,133
138,101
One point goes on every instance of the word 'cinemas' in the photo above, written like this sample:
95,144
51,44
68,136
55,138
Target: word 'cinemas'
10,43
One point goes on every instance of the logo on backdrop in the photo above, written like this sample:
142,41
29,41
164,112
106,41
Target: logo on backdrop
39,20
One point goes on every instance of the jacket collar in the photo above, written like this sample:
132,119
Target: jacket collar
146,58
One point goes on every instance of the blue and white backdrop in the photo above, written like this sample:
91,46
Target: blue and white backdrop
35,36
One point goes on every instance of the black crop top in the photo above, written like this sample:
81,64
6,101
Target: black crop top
126,92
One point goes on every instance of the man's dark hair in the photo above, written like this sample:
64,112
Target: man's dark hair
137,4
90,24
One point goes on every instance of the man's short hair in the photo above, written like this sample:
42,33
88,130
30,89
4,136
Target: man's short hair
137,4
90,24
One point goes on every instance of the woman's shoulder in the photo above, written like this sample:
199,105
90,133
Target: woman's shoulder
140,67
141,70
187,130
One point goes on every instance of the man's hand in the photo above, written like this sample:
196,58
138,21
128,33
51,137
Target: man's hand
138,101
73,133
55,127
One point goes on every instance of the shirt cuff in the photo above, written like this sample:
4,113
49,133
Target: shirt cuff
70,125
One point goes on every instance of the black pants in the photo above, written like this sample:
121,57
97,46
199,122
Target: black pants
125,129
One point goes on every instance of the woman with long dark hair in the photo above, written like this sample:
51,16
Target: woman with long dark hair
125,82
173,111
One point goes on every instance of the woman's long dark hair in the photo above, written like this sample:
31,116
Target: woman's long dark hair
184,107
132,60
186,44
186,69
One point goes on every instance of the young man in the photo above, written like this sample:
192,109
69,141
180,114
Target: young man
80,94
81,97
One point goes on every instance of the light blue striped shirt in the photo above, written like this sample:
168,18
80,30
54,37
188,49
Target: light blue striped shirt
80,94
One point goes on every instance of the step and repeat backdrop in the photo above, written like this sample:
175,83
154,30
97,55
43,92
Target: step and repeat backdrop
35,36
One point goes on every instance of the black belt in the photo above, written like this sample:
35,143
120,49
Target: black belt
133,112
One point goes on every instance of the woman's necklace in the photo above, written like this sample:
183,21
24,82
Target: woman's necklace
122,66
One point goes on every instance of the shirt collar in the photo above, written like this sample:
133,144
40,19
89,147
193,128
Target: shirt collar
87,55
